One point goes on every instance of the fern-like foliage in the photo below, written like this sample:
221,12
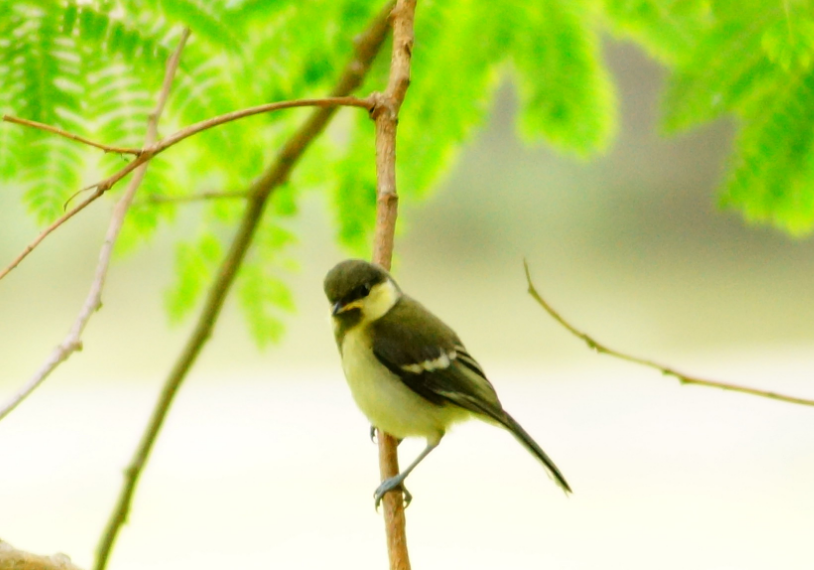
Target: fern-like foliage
754,60
94,67
463,49
748,59
41,79
667,29
772,170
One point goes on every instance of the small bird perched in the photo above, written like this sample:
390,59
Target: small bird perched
408,372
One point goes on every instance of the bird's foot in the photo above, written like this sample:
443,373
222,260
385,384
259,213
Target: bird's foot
392,484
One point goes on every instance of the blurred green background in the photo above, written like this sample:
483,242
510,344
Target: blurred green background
265,461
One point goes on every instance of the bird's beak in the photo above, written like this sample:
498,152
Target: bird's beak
340,307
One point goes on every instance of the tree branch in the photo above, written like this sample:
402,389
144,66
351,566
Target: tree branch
667,371
385,113
199,197
13,559
73,341
73,137
152,150
367,46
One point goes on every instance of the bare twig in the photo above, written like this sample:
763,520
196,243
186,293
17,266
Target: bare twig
665,370
199,197
44,233
367,46
73,341
385,113
151,151
328,102
67,135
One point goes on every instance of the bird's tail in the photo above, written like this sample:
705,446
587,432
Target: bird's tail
523,437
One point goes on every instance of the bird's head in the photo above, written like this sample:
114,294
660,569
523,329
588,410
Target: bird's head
360,291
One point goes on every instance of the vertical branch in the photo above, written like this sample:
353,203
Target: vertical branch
367,46
385,113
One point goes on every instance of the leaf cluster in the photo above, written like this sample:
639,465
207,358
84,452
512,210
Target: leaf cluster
94,68
751,60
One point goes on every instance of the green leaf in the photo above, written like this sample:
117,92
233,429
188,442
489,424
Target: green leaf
194,266
790,43
354,189
206,19
668,29
144,216
772,177
565,92
727,68
264,296
42,77
440,115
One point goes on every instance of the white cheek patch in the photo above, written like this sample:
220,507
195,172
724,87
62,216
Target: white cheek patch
440,363
380,300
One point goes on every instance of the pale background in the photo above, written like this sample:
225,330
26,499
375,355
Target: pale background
265,462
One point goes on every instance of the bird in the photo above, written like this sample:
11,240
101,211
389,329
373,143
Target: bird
408,372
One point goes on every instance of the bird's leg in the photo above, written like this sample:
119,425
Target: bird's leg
397,482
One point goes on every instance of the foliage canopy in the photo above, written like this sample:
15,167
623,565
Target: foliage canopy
93,68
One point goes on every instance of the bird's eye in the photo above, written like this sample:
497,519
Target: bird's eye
363,290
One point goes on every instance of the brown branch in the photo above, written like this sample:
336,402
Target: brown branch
73,137
328,102
73,341
151,151
385,112
665,370
199,197
367,46
13,559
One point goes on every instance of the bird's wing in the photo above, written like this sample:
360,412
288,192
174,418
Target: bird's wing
431,360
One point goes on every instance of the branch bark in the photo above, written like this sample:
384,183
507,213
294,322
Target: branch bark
73,137
367,46
13,559
665,370
385,113
199,197
73,341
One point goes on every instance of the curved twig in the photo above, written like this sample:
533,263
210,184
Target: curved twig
67,135
151,151
665,370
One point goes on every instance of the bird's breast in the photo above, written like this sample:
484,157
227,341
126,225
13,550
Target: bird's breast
389,403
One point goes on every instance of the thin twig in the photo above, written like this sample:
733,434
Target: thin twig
199,197
73,137
367,46
151,151
665,370
385,112
73,341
